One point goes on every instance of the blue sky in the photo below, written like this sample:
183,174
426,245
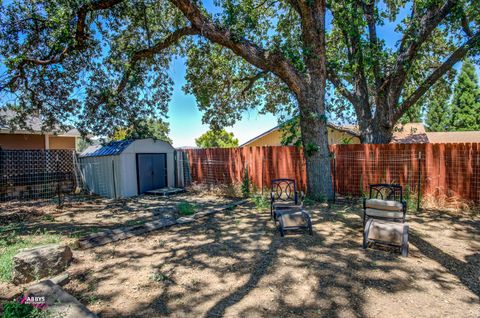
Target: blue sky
186,120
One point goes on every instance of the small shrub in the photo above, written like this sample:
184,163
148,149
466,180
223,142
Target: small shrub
245,184
158,277
186,208
261,202
14,309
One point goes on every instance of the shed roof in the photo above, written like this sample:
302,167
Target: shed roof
111,149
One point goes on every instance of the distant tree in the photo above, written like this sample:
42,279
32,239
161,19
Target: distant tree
217,139
413,114
437,105
82,144
147,128
466,99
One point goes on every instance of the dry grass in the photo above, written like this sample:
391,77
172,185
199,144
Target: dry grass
448,201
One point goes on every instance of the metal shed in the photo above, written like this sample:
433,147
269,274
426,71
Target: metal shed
126,168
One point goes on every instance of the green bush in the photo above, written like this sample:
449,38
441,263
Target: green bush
186,208
246,184
14,309
261,201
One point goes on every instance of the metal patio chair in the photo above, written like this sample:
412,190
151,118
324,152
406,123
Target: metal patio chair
384,214
286,207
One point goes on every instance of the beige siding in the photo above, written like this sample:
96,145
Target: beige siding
274,138
56,142
22,141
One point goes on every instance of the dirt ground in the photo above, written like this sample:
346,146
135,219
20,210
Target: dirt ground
81,215
234,264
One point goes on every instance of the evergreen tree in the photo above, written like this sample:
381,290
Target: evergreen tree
466,99
438,115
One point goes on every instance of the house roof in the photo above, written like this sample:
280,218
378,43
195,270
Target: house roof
410,133
346,129
113,148
402,134
33,125
454,136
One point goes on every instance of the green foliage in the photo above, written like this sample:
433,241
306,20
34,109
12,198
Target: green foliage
246,183
100,86
412,115
437,104
346,140
11,243
466,99
290,131
411,198
14,309
186,208
82,144
217,139
148,128
158,277
311,149
261,202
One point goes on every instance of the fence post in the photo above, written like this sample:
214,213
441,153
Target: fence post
419,186
334,175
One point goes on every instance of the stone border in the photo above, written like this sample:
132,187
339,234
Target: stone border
109,236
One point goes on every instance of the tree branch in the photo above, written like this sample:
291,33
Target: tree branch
79,38
80,32
456,56
268,61
251,80
139,55
335,80
369,12
407,50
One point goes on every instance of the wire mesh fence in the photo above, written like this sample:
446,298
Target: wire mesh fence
431,174
37,174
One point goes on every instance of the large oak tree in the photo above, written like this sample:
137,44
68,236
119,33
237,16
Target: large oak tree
383,82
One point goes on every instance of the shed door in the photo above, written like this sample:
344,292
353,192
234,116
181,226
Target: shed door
152,171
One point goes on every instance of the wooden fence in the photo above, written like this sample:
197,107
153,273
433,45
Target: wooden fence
451,170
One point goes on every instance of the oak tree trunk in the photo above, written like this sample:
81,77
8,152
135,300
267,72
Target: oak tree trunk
377,130
313,126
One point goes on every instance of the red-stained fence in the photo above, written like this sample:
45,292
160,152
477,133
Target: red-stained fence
451,170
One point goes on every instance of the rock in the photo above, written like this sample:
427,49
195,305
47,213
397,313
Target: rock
59,302
42,261
61,279
184,220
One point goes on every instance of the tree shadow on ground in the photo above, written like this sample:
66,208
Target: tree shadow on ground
236,264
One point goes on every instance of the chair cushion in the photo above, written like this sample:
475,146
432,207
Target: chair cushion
383,205
388,232
287,210
384,213
284,204
293,219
